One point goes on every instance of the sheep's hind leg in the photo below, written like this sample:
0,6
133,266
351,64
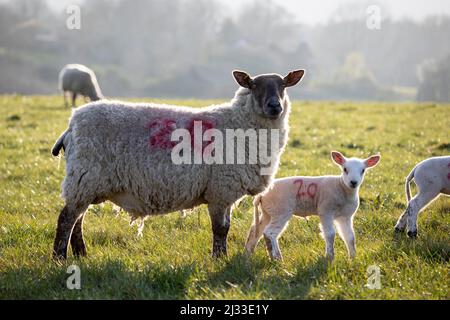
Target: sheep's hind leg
66,222
271,233
74,98
220,221
256,232
76,239
401,223
66,104
420,201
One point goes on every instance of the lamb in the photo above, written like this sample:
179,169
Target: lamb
78,79
432,177
335,199
123,152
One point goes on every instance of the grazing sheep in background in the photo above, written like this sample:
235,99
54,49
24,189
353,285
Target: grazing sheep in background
334,199
121,152
78,79
432,177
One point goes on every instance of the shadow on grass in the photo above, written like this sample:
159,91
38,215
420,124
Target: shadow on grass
428,246
109,280
248,275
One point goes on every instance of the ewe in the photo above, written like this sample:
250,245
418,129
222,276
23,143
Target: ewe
78,79
123,152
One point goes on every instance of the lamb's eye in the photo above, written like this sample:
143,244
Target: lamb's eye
362,171
345,170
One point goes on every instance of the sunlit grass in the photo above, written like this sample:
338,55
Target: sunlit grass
172,259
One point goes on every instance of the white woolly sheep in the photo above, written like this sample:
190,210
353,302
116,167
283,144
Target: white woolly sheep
78,79
121,152
432,177
335,199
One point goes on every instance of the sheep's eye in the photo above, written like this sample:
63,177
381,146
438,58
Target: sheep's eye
345,170
362,171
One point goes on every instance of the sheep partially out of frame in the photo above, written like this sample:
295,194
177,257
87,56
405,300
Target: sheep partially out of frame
335,199
432,177
121,152
78,79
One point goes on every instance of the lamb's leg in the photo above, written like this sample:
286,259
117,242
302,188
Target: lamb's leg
276,226
220,222
74,98
401,222
326,223
256,232
347,234
66,222
76,239
417,204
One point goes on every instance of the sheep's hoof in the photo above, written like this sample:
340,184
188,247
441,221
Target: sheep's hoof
398,230
412,234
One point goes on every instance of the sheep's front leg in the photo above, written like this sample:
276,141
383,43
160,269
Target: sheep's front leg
326,223
220,222
346,232
401,222
76,239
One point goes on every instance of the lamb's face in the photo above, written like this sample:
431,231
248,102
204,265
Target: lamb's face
269,90
354,169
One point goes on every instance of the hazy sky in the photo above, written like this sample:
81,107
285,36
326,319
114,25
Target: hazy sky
319,11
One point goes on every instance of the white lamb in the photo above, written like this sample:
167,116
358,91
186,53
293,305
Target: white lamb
432,177
334,199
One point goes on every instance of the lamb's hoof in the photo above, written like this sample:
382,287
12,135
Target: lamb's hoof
412,234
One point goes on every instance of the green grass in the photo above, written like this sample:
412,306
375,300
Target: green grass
172,260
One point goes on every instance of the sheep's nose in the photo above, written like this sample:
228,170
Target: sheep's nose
353,183
274,104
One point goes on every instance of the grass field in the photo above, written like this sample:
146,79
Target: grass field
172,260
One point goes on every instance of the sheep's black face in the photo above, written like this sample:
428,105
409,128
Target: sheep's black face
269,90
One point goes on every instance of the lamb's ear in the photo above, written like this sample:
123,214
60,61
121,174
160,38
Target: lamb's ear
372,161
338,158
293,78
243,79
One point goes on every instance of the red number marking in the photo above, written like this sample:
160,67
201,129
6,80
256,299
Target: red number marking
312,189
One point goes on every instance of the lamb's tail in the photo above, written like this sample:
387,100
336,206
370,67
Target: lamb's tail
59,143
256,204
407,182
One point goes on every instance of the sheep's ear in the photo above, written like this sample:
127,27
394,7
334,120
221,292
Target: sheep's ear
372,161
243,79
293,78
338,158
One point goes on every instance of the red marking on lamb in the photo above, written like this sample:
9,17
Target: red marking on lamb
309,190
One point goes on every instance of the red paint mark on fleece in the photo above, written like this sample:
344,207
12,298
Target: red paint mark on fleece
309,190
160,132
206,124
